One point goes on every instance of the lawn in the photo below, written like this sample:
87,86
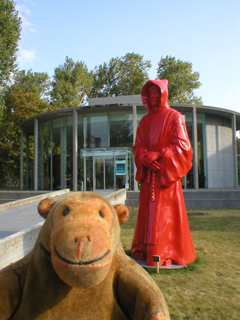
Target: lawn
208,289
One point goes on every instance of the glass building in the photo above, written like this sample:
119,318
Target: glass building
91,148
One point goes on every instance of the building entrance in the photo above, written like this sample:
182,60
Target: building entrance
111,169
104,173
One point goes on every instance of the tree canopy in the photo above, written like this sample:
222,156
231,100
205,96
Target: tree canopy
10,27
19,106
121,76
71,84
34,82
182,81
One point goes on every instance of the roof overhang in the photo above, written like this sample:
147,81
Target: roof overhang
100,105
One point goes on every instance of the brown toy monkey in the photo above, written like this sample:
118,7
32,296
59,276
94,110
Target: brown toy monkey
78,269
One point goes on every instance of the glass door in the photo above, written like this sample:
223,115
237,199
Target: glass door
109,173
88,174
99,173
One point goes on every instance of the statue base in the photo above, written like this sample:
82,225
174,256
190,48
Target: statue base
142,263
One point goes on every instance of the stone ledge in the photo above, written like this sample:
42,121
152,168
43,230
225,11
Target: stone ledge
18,245
21,202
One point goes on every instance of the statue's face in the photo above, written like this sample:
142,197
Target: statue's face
154,97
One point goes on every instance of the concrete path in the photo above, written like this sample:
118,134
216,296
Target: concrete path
18,218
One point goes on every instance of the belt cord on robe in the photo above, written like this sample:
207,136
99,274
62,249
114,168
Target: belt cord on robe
153,183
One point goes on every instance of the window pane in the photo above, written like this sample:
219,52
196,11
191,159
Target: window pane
97,131
121,131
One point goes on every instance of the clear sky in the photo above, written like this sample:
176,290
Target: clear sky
205,33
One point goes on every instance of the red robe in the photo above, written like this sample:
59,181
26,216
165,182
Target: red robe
162,227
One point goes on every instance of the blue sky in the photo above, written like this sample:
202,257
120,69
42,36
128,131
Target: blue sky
205,33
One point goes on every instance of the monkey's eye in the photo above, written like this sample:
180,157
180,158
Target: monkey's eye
65,211
101,214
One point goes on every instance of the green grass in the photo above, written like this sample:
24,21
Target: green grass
208,289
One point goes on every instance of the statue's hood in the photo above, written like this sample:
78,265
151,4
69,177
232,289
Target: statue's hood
162,85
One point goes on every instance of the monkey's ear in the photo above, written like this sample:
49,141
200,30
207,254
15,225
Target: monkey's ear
45,206
122,213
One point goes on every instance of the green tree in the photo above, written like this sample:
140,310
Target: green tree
182,81
238,145
34,82
121,76
71,84
19,106
9,36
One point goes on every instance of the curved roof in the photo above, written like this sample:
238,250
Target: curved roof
99,105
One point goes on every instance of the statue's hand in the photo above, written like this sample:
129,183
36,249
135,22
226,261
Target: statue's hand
155,166
150,158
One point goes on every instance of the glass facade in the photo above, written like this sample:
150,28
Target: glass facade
104,156
121,129
28,165
96,131
55,142
104,142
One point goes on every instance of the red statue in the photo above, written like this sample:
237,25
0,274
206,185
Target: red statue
163,156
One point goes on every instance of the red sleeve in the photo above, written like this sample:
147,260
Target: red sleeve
139,154
176,158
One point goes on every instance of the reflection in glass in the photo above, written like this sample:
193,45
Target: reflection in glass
99,173
44,157
28,167
89,174
97,131
69,149
56,153
121,129
109,173
80,162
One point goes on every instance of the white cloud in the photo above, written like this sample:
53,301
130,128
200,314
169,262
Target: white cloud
26,57
25,15
22,8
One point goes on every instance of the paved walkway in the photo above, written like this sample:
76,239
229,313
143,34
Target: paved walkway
25,216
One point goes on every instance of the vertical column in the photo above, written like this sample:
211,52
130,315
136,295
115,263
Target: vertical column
104,173
84,174
84,159
114,166
84,132
21,161
235,170
195,149
27,161
134,138
35,154
51,159
205,153
94,173
126,168
40,159
75,147
108,124
63,154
